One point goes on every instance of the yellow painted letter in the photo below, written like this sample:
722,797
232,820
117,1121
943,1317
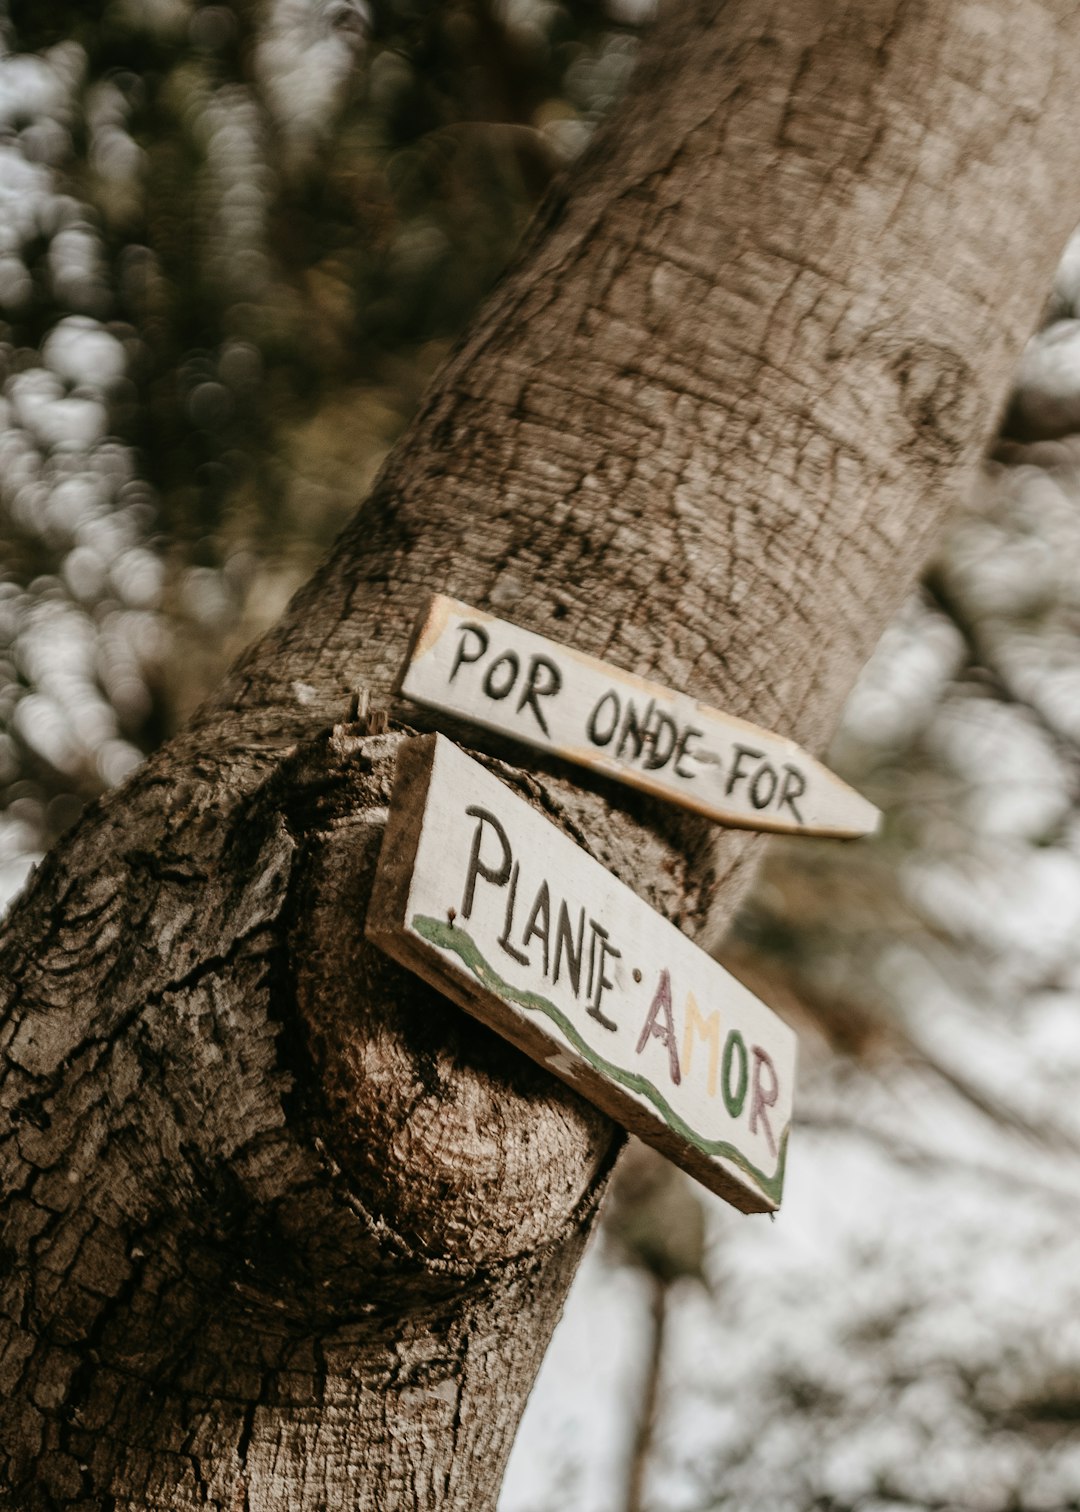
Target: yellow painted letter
709,1029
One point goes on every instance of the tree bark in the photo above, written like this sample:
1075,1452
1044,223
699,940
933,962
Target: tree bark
279,1227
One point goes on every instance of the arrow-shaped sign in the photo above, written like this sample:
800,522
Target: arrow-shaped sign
481,669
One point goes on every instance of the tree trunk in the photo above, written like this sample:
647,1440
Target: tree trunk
281,1228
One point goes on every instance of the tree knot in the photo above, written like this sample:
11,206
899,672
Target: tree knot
940,399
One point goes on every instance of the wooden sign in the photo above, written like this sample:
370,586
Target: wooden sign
493,674
492,904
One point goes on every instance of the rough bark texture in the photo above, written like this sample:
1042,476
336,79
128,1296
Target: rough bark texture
279,1228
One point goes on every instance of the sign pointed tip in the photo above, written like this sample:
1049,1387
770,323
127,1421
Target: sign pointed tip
467,664
861,821
864,819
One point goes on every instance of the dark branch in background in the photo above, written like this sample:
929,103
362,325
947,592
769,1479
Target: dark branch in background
648,1409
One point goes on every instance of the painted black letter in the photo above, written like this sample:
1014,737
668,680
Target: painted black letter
508,922
462,658
535,691
664,737
682,750
595,734
737,772
574,951
509,660
633,729
540,911
596,973
762,798
499,875
794,787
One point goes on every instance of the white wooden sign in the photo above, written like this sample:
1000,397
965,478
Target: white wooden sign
492,904
480,669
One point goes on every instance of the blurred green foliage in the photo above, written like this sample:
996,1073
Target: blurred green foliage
291,209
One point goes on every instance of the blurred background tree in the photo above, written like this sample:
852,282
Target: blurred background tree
236,242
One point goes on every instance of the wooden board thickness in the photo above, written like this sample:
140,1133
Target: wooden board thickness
492,904
489,673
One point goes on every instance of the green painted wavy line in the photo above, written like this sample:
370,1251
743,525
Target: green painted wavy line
460,942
